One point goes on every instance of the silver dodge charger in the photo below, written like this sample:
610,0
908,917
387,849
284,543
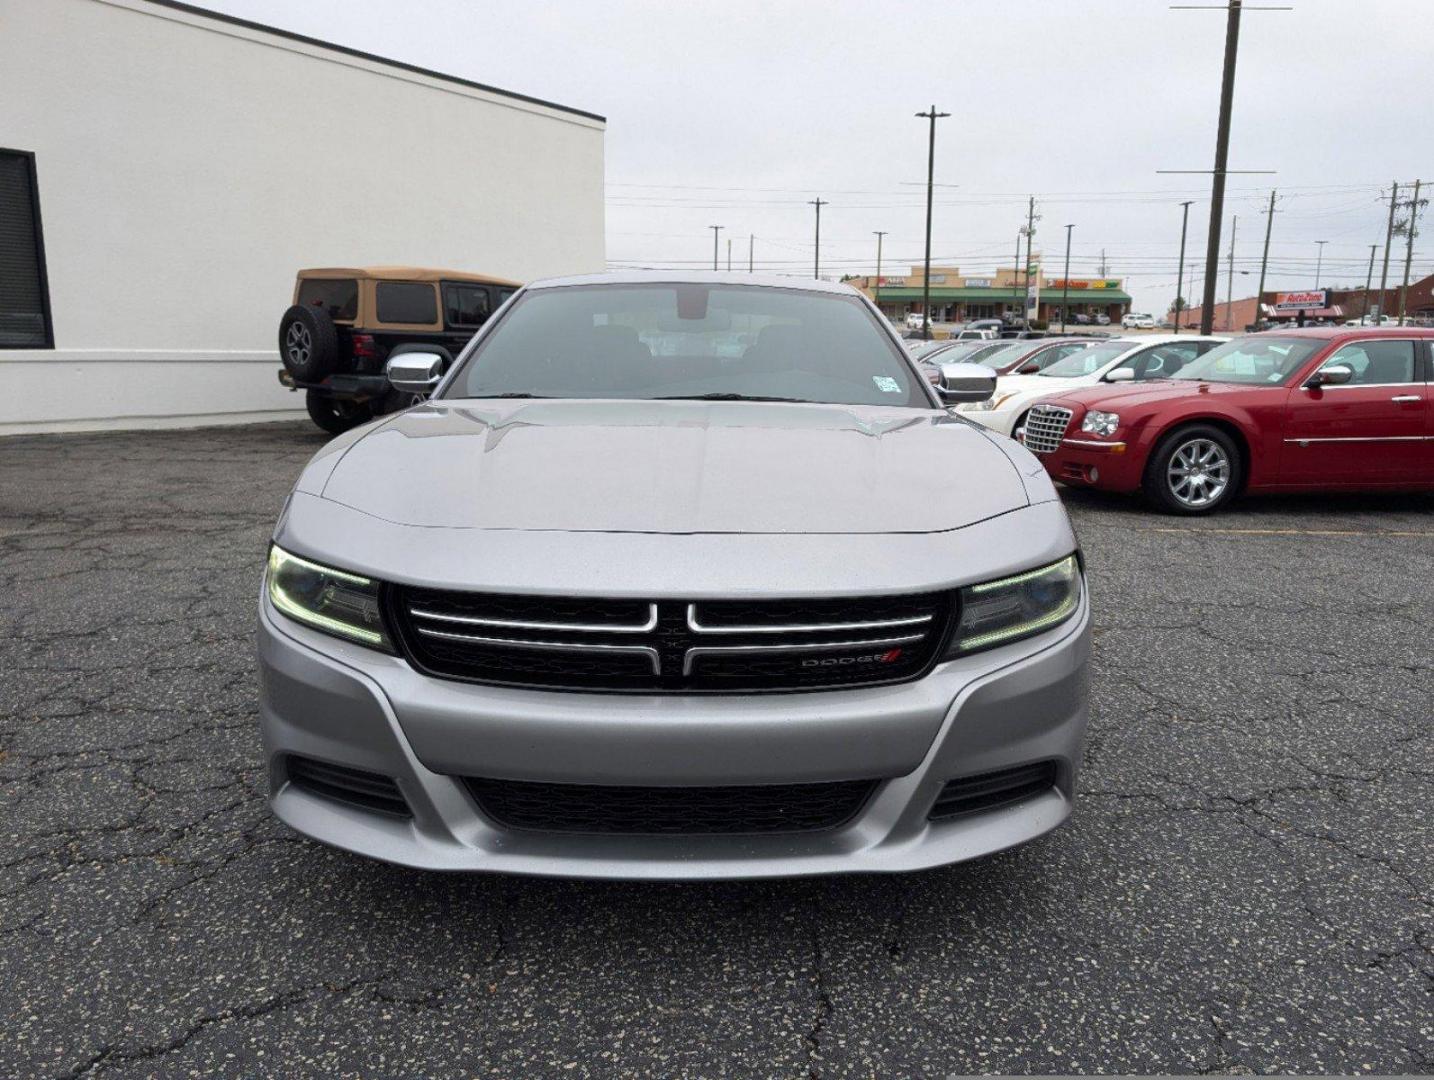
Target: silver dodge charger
675,576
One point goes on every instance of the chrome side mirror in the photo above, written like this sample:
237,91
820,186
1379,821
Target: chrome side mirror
1333,375
966,382
1121,374
416,372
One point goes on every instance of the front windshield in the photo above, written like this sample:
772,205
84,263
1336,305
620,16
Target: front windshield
1257,359
689,341
1005,354
1088,361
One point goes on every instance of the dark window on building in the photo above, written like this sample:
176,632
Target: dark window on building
24,296
338,297
407,302
466,305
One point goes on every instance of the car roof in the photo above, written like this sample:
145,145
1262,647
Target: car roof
404,273
1330,333
695,277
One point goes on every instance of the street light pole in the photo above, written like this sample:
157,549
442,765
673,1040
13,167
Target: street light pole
1066,280
818,202
879,234
751,243
1388,241
1180,271
933,116
1319,262
1230,281
715,230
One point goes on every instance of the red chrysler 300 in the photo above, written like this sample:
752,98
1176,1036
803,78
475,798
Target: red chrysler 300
1298,410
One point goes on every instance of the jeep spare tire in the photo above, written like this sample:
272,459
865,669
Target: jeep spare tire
308,343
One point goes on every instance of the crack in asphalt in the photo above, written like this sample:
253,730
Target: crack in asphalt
1244,885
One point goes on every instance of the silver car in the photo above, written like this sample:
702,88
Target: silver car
675,576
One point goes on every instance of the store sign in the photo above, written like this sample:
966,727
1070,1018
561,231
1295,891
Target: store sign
980,282
1081,283
1301,301
891,281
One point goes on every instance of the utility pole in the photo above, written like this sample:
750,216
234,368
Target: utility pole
1066,282
751,243
1222,157
715,230
1368,281
1230,281
818,202
1388,240
1180,271
729,254
1265,258
933,116
1031,217
877,299
1016,267
1319,261
1414,206
1104,269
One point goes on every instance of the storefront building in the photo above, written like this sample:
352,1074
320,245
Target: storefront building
956,297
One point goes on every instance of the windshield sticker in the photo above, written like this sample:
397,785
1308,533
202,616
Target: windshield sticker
886,384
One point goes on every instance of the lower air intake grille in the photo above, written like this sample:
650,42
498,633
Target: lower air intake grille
1045,428
986,791
369,791
585,808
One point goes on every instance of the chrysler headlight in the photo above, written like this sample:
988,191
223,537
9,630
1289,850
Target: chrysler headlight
1100,423
996,612
333,601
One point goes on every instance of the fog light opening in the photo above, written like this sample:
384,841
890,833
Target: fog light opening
1093,474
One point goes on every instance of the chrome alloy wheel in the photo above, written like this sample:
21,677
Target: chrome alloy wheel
1198,473
299,343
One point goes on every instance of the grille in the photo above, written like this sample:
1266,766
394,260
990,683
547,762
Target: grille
671,645
986,791
688,811
371,791
1045,428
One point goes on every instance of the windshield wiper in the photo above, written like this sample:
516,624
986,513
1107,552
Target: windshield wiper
518,394
732,397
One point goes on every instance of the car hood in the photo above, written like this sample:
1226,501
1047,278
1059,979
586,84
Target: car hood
1037,384
671,467
1114,397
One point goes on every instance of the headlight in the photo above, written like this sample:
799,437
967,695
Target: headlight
993,402
996,612
345,605
1100,423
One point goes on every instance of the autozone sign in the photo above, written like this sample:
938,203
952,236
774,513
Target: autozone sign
1301,301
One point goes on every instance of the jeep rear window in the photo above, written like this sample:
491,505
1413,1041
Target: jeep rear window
339,297
406,302
465,305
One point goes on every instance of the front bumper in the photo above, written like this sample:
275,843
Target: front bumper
324,699
1106,464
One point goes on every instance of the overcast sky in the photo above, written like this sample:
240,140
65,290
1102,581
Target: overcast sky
736,113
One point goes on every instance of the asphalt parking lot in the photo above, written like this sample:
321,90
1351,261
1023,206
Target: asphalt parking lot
1245,885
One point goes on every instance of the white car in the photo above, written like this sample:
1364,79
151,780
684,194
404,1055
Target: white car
915,320
1155,356
1136,321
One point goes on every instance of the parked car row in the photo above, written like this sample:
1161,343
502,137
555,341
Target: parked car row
1193,421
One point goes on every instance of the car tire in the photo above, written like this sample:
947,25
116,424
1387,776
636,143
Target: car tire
308,343
335,414
1195,470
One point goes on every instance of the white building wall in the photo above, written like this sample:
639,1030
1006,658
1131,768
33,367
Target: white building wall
187,167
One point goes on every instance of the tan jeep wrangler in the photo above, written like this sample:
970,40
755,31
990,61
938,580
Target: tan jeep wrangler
346,323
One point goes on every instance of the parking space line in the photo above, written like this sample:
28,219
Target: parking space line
1296,532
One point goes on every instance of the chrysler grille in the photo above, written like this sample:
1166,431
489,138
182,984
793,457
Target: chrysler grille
669,645
1045,428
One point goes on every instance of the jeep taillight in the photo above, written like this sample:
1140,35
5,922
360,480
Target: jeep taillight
364,348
